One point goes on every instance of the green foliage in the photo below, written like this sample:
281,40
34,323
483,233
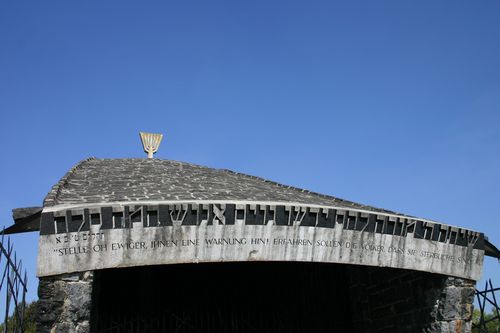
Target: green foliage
29,319
491,327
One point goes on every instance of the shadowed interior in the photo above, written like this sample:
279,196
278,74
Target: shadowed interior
223,297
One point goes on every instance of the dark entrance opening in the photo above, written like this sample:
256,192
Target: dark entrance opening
223,297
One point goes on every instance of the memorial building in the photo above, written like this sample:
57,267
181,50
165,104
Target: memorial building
148,245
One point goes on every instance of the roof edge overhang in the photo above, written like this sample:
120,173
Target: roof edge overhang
491,250
25,220
28,219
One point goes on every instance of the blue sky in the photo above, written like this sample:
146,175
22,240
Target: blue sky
395,104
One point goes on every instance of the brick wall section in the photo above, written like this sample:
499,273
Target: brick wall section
65,303
391,300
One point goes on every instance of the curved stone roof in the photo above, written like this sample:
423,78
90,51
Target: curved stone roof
139,179
183,213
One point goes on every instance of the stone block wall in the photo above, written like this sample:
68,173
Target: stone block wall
65,303
387,300
381,300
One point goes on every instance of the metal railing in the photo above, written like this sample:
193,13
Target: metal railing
486,298
14,284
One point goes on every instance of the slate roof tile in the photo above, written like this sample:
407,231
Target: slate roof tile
134,179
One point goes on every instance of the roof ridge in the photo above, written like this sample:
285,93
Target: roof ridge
52,197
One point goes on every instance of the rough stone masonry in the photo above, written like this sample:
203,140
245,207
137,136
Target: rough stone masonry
65,303
381,300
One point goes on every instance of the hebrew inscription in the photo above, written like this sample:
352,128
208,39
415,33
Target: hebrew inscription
133,235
